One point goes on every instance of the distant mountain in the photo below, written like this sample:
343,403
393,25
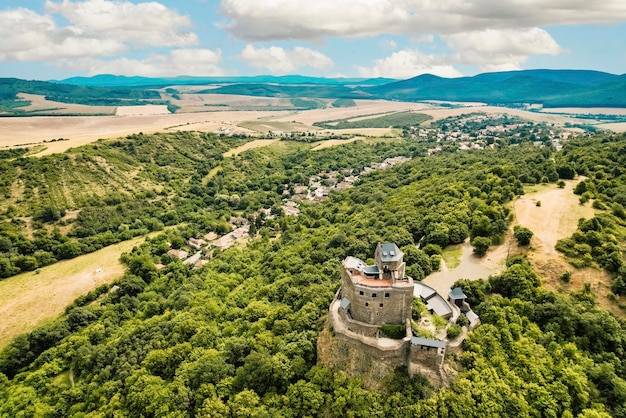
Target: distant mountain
549,87
108,80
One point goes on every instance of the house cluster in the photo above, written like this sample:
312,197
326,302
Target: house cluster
201,247
320,185
477,131
373,298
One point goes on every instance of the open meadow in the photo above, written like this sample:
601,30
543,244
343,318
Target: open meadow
30,299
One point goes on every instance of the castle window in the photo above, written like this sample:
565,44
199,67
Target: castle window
361,292
367,304
373,295
381,305
387,294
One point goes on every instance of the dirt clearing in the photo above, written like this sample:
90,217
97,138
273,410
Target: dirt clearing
557,218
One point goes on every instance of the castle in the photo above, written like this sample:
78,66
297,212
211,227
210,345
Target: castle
374,299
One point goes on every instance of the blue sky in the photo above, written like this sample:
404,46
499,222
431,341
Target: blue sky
56,39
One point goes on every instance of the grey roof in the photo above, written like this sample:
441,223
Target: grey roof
439,306
428,342
345,303
457,293
390,252
353,262
423,291
358,264
371,269
471,316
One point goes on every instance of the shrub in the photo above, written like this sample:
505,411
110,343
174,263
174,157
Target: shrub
522,235
566,277
481,245
453,331
397,332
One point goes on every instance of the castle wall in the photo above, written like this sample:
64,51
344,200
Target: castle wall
339,351
377,305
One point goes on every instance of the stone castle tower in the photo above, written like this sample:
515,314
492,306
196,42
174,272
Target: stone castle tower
372,296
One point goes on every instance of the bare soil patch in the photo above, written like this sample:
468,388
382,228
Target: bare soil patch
557,218
81,130
438,113
615,127
218,102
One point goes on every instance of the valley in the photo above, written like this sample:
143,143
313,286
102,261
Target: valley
193,255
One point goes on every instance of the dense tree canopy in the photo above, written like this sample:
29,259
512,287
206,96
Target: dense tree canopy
238,336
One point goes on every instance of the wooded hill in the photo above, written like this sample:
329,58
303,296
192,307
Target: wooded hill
551,88
238,336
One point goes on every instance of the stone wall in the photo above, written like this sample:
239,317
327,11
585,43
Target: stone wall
377,305
357,359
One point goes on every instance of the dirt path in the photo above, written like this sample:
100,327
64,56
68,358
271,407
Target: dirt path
30,299
470,267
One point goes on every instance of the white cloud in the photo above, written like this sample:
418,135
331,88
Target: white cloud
281,61
301,19
423,39
194,62
409,63
96,28
148,23
497,50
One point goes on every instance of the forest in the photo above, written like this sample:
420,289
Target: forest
237,337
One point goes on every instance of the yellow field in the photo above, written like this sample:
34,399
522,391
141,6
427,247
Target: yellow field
31,299
81,130
40,103
251,145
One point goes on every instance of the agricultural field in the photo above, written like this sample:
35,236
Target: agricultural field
77,131
392,120
39,104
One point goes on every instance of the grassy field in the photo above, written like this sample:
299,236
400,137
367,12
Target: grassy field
267,126
31,299
452,256
399,119
249,145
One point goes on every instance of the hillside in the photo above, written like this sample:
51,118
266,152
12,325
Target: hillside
551,88
108,80
65,93
238,336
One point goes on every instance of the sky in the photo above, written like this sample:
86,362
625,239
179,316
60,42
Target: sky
57,39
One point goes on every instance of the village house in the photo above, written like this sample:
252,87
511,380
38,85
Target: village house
180,254
196,243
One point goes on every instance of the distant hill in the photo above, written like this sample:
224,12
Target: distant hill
97,96
551,88
108,80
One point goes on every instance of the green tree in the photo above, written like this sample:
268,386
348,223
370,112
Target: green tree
481,245
522,235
